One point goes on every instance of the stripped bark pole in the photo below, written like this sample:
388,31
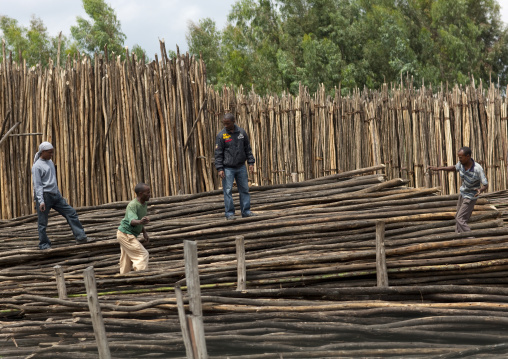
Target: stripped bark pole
60,282
381,271
96,314
183,323
9,132
192,276
241,266
194,293
449,148
186,143
198,337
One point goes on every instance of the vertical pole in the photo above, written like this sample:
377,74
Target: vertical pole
197,332
382,274
240,260
190,253
95,312
183,323
199,335
192,335
294,177
60,282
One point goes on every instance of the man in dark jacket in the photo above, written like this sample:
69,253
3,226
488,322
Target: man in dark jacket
232,149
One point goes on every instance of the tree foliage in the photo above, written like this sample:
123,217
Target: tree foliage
33,43
274,45
205,41
104,29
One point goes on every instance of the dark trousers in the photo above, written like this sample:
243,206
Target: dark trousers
465,208
242,182
59,204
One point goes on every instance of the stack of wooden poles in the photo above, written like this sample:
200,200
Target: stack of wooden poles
116,123
311,277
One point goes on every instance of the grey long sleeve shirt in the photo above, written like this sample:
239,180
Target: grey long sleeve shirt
44,179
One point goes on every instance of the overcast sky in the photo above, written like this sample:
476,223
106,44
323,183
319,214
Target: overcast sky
144,22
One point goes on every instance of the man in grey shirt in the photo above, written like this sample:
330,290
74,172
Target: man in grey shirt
48,196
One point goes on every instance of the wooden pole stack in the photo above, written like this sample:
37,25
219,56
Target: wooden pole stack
310,269
116,123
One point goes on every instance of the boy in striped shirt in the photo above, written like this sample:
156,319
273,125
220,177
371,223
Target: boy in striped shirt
474,182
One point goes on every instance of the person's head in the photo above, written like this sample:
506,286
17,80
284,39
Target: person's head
47,154
228,121
142,192
46,151
464,155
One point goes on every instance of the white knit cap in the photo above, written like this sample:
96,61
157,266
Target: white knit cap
43,147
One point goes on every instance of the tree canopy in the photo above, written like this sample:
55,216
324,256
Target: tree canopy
88,36
274,45
33,43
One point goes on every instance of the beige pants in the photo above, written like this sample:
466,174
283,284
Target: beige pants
133,255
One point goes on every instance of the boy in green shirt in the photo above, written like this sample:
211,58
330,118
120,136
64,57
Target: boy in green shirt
133,255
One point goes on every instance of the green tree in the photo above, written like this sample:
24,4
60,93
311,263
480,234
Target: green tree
103,30
140,53
321,42
33,43
274,45
14,35
204,40
250,46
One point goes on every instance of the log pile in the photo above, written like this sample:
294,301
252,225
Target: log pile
500,200
116,123
311,277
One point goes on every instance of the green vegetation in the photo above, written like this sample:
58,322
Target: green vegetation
103,30
89,37
32,43
275,44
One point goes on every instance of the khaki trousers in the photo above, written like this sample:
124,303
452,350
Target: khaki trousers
133,255
465,208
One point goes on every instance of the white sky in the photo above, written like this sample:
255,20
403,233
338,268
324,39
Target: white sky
504,10
144,22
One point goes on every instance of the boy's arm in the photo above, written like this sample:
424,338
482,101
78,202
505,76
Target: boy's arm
447,168
145,236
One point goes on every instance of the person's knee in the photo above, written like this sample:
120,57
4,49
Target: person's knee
243,190
73,213
141,263
461,222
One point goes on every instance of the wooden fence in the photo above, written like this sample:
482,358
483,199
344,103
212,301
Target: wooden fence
116,123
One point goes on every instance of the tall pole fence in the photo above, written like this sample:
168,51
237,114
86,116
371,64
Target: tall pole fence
115,123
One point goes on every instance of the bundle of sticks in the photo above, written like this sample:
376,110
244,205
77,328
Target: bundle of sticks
311,276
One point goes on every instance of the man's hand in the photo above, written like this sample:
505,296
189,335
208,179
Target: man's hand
145,220
251,168
146,238
480,190
42,207
222,174
432,168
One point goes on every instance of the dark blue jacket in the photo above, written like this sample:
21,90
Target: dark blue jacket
232,149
